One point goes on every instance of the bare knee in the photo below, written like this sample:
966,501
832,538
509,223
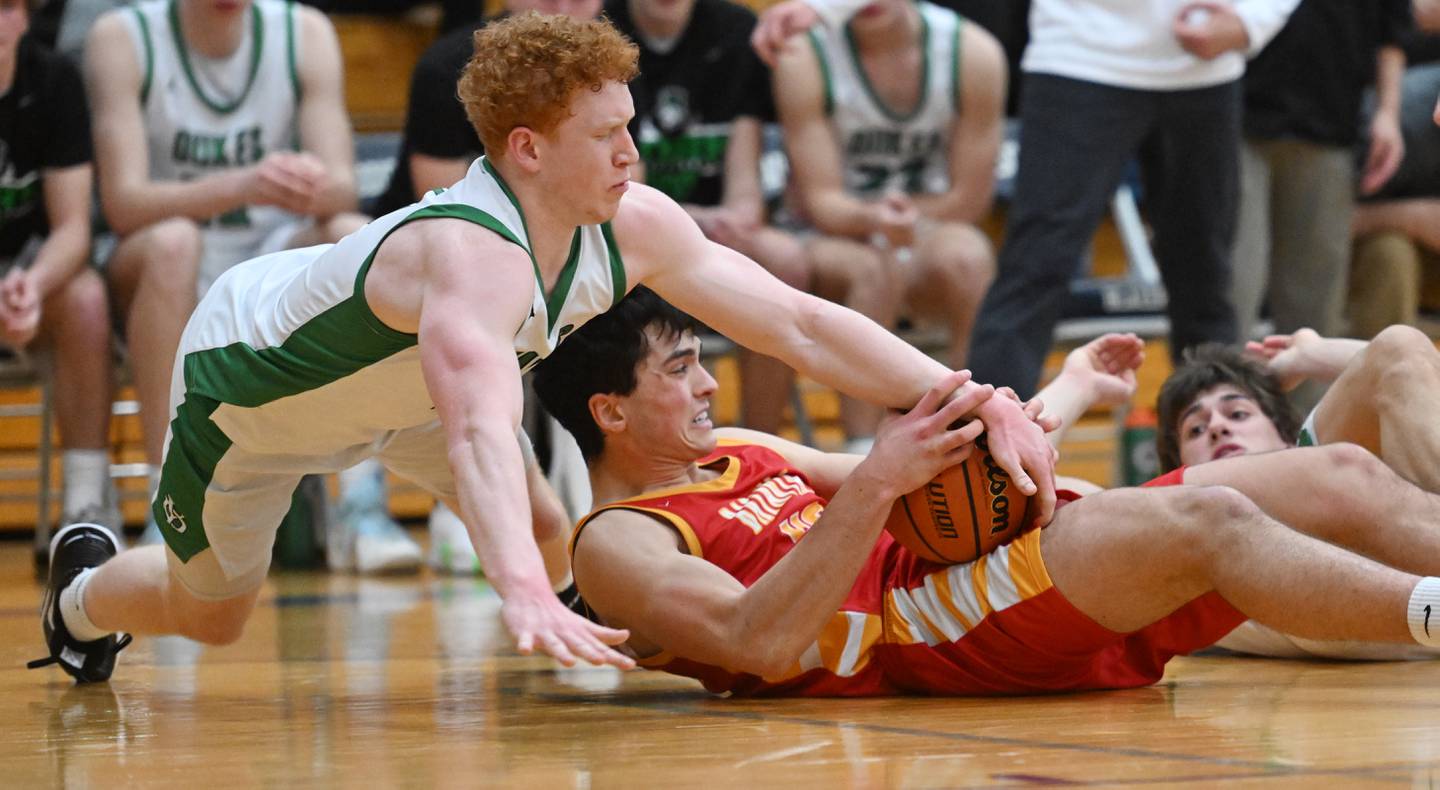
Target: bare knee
1399,344
163,257
1210,520
963,254
81,309
211,622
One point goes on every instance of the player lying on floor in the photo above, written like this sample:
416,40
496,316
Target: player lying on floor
760,567
1224,404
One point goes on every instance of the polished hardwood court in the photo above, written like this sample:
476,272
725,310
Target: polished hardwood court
410,682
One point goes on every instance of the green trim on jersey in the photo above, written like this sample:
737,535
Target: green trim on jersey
290,47
257,31
617,265
819,47
555,298
149,54
955,62
924,73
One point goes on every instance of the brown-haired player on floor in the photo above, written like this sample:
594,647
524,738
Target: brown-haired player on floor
407,340
1224,404
760,567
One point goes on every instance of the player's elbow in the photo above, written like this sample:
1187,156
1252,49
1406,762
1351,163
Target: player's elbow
769,659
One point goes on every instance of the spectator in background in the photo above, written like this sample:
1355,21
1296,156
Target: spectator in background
893,125
1303,97
220,134
1102,86
50,299
701,100
1397,229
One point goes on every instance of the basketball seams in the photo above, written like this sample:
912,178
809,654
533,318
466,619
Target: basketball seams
970,499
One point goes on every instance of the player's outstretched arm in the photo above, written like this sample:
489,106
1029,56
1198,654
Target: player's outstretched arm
467,318
825,341
1101,372
1305,355
630,569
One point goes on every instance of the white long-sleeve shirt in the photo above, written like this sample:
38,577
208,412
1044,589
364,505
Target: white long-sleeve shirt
1123,43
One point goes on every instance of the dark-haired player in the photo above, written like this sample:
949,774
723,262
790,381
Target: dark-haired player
760,567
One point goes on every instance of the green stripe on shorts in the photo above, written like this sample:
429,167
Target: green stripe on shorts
328,347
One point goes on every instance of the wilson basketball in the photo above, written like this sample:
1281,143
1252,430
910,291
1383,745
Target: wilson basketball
965,512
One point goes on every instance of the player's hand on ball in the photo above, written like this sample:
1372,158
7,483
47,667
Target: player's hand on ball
1019,445
910,450
541,621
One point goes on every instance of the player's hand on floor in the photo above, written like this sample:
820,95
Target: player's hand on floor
912,449
1019,445
542,622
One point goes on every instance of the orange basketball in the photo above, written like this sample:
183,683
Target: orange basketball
965,512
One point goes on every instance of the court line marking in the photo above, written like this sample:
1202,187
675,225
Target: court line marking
1261,769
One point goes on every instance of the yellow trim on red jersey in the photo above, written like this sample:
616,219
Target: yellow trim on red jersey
725,481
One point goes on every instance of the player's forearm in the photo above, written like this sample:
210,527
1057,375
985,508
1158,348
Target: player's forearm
489,477
1066,398
838,214
782,614
62,255
1325,360
1389,73
845,350
338,196
955,205
130,207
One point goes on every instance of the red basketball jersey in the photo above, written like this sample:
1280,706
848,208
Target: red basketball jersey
745,521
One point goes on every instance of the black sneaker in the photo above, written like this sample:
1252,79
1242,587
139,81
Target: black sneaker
72,550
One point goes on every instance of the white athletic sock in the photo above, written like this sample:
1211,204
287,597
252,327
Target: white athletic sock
72,609
1424,612
86,474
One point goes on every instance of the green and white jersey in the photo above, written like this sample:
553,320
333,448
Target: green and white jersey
204,115
285,356
883,150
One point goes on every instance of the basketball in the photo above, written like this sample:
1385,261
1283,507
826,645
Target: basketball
965,512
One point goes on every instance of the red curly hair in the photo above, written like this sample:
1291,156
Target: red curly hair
526,68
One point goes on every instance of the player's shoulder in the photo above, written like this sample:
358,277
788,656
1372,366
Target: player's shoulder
110,56
642,207
623,528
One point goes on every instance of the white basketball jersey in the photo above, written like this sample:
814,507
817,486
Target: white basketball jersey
882,149
204,115
289,352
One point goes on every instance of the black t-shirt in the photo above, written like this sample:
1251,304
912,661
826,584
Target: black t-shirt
44,124
435,122
1308,82
687,99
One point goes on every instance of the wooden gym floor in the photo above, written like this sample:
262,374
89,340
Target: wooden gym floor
409,682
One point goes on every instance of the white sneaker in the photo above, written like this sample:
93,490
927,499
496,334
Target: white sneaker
450,547
382,546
